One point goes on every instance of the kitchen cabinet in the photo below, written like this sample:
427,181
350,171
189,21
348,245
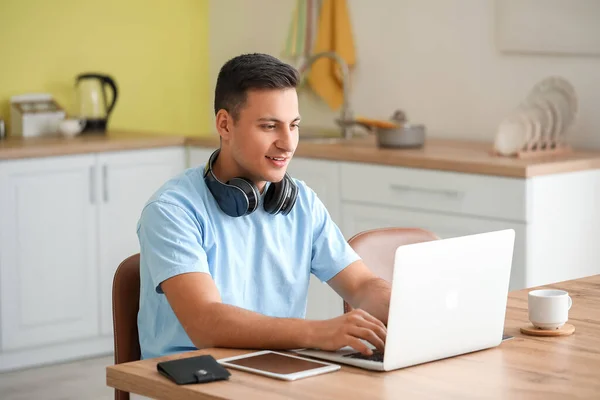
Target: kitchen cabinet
67,223
550,214
48,262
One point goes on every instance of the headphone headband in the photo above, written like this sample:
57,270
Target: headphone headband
239,196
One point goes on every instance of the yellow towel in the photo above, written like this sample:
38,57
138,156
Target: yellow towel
334,33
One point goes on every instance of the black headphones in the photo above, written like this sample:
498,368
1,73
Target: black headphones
239,196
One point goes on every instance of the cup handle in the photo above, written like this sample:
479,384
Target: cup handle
570,302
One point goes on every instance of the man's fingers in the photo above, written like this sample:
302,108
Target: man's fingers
357,345
379,331
372,319
369,336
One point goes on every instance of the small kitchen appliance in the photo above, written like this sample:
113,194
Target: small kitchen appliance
93,104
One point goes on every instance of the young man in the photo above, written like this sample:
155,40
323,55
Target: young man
225,266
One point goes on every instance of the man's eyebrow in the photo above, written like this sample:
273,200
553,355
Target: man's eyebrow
272,119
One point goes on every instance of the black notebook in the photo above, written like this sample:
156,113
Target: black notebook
199,369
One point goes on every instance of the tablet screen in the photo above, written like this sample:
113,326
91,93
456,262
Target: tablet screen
276,363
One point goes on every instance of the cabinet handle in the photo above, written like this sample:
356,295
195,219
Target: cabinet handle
105,183
448,193
92,184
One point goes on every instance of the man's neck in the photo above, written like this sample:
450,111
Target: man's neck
225,168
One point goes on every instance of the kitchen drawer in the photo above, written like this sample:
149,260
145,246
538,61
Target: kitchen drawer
442,191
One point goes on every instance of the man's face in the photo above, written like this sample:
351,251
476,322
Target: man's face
265,136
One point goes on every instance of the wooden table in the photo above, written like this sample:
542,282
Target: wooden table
523,367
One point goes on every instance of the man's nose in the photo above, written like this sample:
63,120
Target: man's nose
287,138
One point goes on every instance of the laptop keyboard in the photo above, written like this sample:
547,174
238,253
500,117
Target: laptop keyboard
377,356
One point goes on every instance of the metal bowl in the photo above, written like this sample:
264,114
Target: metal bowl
405,136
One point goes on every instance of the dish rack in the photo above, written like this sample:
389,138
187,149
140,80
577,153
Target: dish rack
541,147
539,125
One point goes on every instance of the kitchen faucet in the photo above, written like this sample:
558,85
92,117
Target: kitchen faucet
345,120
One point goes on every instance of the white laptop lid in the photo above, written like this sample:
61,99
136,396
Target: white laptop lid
448,297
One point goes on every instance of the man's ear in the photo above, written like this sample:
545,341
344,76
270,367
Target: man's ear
223,123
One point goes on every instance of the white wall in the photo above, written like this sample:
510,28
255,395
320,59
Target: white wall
435,59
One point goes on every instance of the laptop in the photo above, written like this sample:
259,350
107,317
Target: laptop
448,298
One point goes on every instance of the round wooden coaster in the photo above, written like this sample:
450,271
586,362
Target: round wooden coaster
565,330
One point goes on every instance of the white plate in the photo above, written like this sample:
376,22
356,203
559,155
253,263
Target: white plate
513,134
563,99
539,109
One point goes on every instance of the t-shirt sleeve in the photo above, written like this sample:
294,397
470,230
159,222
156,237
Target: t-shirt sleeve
331,253
170,242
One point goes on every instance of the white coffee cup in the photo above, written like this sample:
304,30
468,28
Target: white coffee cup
71,127
549,309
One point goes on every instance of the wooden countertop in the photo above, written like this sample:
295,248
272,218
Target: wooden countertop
15,148
523,367
437,154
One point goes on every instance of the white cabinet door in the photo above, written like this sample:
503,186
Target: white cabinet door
126,182
48,251
358,218
324,178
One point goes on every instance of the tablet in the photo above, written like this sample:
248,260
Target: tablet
278,365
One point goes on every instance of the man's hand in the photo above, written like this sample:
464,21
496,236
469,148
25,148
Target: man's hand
348,330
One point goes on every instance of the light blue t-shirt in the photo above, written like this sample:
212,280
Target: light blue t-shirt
259,262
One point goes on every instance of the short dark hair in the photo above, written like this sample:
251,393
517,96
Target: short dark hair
253,71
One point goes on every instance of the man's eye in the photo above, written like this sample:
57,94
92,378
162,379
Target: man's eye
295,125
271,126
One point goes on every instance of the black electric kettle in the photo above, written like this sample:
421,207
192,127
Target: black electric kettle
92,100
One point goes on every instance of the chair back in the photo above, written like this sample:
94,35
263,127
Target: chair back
126,302
377,248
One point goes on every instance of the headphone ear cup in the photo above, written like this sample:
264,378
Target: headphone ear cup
281,196
275,196
250,190
290,199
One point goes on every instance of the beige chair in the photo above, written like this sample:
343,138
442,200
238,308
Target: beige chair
126,301
377,248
